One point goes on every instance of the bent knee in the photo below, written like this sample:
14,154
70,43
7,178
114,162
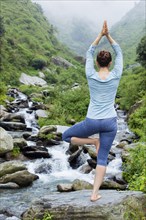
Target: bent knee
66,138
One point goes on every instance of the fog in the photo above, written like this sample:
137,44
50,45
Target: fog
94,11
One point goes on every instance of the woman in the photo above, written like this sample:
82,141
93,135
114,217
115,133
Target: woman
101,116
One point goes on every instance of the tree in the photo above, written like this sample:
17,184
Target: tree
2,28
141,52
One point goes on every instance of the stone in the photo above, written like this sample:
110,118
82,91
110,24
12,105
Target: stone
38,105
59,61
11,167
22,178
47,129
92,163
85,168
113,205
91,151
74,156
122,144
12,126
81,184
32,80
72,148
110,184
9,186
41,113
3,111
41,75
36,154
6,142
19,142
65,187
15,117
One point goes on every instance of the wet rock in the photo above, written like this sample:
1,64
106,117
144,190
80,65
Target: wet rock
47,129
92,163
34,152
85,168
81,184
38,105
110,184
41,113
14,117
32,80
11,167
43,168
37,154
122,144
77,206
91,151
9,186
65,187
22,178
3,111
59,61
6,142
74,156
12,126
118,178
19,142
72,148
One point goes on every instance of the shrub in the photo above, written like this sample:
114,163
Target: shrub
134,169
38,63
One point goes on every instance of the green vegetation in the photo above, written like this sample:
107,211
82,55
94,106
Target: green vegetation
135,169
132,91
16,151
28,42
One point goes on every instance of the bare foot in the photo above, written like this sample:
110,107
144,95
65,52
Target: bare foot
95,198
96,143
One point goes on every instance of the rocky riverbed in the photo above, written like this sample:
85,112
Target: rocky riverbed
34,162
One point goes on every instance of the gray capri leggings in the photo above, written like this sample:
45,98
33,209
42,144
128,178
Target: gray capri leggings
107,129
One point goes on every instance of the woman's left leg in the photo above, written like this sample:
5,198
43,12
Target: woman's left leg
79,133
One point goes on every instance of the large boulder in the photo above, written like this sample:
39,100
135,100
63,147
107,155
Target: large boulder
12,126
59,61
113,205
32,80
22,178
81,184
6,142
19,142
91,151
11,167
40,113
47,130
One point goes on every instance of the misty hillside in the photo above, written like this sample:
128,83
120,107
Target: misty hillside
28,43
129,31
78,34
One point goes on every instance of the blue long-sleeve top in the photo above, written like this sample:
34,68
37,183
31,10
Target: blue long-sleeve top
103,92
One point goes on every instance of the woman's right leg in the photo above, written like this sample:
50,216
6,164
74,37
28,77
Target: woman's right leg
79,133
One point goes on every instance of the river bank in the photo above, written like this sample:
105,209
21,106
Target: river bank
51,160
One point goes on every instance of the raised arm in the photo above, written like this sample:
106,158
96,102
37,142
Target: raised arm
89,68
118,66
